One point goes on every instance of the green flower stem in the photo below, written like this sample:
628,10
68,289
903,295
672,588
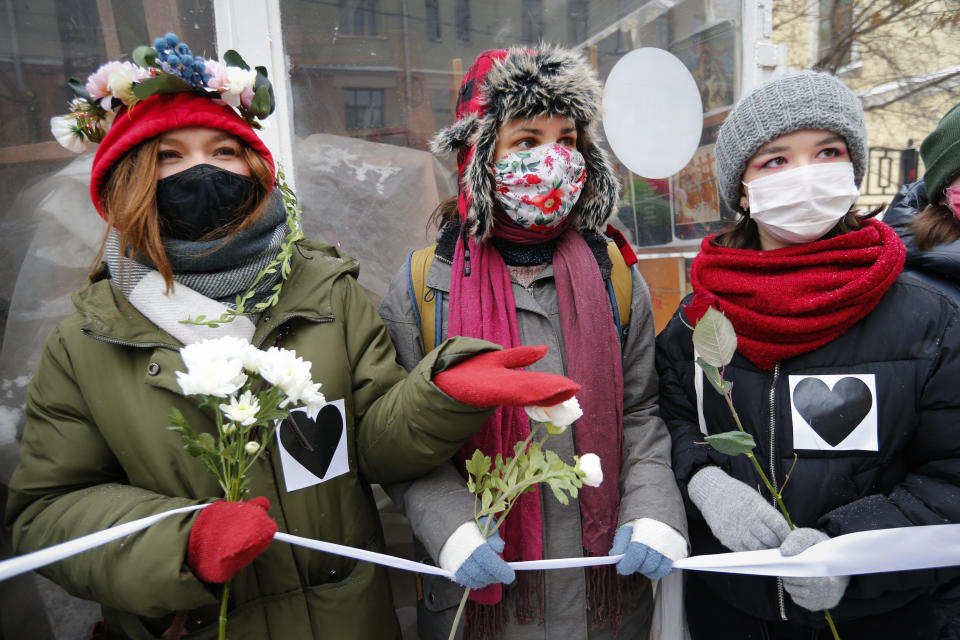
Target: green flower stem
776,495
224,594
486,533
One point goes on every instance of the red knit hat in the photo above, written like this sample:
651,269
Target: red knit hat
159,114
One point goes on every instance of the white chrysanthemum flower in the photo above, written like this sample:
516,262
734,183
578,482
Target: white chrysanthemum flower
251,447
67,133
590,465
242,410
284,369
212,378
313,399
561,415
214,350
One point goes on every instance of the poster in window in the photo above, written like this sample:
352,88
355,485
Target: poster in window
697,210
711,57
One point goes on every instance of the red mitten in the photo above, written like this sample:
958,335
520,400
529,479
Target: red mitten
227,536
491,379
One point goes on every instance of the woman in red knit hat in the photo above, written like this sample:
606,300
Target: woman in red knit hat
845,375
194,225
521,258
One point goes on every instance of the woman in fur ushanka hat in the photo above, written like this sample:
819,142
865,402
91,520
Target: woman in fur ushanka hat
197,227
521,259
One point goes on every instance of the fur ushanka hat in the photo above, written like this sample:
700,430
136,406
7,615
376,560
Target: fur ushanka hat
519,82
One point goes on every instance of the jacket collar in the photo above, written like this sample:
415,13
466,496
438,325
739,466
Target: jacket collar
306,294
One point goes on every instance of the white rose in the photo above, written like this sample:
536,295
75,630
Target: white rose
590,465
251,447
65,130
242,410
561,415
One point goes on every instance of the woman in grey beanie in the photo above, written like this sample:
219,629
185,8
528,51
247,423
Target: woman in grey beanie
845,376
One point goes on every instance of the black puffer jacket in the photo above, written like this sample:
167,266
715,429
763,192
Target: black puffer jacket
908,347
940,265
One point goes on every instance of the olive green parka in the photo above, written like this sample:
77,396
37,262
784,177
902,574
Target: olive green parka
97,452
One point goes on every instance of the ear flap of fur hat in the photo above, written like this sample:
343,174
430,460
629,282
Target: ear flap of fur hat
522,83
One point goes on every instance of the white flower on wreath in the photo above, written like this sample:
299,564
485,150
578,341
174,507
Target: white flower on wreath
120,79
561,415
242,410
67,133
234,84
590,465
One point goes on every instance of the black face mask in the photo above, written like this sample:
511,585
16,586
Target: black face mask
201,199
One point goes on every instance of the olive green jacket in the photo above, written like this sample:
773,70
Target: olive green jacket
97,452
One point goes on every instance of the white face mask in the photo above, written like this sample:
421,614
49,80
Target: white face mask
800,205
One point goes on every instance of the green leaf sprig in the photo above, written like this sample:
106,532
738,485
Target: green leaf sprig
497,484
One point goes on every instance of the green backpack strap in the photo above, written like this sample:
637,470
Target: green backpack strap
424,299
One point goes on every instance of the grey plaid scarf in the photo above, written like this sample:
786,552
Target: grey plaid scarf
219,269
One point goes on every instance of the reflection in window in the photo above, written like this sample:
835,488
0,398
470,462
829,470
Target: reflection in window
359,17
463,21
363,108
836,20
531,21
433,20
576,21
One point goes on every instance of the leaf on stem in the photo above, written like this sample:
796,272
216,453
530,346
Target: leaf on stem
716,379
732,443
714,338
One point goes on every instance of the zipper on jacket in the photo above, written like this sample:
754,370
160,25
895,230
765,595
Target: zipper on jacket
125,343
773,478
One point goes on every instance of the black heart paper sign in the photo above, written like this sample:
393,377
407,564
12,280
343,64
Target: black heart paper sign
320,438
833,413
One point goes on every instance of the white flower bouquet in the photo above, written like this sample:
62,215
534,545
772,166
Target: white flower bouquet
248,390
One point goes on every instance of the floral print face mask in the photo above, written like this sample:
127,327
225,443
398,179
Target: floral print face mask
538,187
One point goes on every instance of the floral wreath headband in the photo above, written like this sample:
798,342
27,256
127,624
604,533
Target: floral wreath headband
167,67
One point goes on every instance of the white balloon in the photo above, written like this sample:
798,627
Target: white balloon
652,113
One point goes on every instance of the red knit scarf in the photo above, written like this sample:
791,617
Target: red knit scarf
789,301
482,306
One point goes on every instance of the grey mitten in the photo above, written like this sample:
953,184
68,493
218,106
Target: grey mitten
739,517
815,594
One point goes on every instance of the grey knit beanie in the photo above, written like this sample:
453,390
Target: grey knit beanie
796,100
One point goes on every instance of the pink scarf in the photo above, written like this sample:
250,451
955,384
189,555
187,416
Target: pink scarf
482,306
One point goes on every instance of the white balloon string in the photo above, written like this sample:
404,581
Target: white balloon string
922,547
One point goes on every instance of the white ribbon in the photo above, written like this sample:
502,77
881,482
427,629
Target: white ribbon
901,549
43,557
